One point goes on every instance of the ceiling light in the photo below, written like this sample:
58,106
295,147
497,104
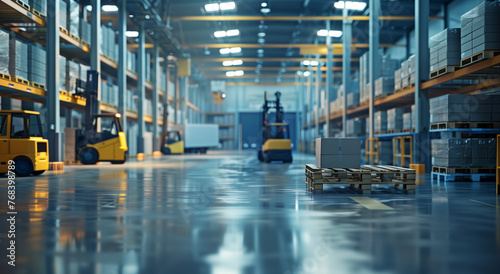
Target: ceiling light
212,7
220,33
233,32
230,73
232,63
260,51
235,50
333,33
261,40
131,16
310,63
261,34
109,8
223,95
132,33
237,62
265,10
221,6
300,73
227,6
239,73
225,51
264,4
147,16
307,73
350,5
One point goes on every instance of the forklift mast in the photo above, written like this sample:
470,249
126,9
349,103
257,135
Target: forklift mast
89,91
268,104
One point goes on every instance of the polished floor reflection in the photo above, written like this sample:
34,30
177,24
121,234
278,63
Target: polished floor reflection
228,213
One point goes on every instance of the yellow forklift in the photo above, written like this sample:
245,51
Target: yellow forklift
102,138
21,141
276,143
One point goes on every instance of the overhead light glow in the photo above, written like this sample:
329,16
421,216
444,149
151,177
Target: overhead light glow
265,10
261,34
232,63
212,7
307,73
233,32
261,40
221,6
223,95
230,50
220,34
109,8
260,51
333,33
310,63
227,6
229,33
235,50
132,33
264,4
350,5
235,73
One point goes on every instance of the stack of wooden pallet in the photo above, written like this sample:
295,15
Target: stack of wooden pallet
362,178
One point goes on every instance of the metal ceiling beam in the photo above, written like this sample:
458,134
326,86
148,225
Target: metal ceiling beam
308,46
284,59
292,18
208,69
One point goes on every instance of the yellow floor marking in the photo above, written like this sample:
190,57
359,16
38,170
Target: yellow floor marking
371,204
486,204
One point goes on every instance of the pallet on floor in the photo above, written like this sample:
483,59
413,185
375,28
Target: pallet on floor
443,71
463,170
462,177
485,54
455,125
362,178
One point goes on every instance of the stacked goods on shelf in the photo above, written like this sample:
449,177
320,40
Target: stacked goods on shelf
37,60
340,101
18,51
131,61
409,119
148,107
408,72
380,122
131,102
108,42
364,77
109,91
40,6
352,99
85,30
480,30
73,73
355,127
384,86
148,67
4,52
74,18
385,149
62,73
444,51
395,120
63,14
465,108
464,152
397,79
338,153
387,66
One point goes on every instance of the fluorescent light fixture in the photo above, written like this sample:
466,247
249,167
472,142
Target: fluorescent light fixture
230,50
310,63
261,40
227,6
239,73
333,33
261,34
264,4
265,10
260,51
109,8
350,5
307,73
300,73
220,34
230,73
232,32
229,33
232,63
132,33
235,50
212,7
89,8
221,6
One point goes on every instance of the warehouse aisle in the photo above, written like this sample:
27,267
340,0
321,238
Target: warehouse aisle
228,213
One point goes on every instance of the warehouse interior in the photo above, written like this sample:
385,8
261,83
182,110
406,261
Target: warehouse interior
168,136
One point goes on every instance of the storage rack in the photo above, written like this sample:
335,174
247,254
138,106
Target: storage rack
226,123
14,14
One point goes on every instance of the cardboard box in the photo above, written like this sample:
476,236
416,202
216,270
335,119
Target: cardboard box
338,152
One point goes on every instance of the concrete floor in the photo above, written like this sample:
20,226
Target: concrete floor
228,213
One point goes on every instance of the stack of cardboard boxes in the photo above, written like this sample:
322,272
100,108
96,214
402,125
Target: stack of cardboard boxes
445,49
338,153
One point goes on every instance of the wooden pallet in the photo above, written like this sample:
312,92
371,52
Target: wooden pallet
362,178
393,130
485,54
408,130
443,71
20,81
365,102
463,170
5,76
37,13
455,125
65,31
24,5
398,90
37,85
75,37
379,132
462,177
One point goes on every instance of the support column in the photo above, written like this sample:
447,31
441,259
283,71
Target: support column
329,77
346,64
141,89
122,62
156,87
95,48
373,56
52,101
317,92
184,97
310,98
177,100
421,144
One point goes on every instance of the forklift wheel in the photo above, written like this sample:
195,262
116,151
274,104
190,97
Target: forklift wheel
89,156
267,158
166,151
24,167
38,172
260,156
